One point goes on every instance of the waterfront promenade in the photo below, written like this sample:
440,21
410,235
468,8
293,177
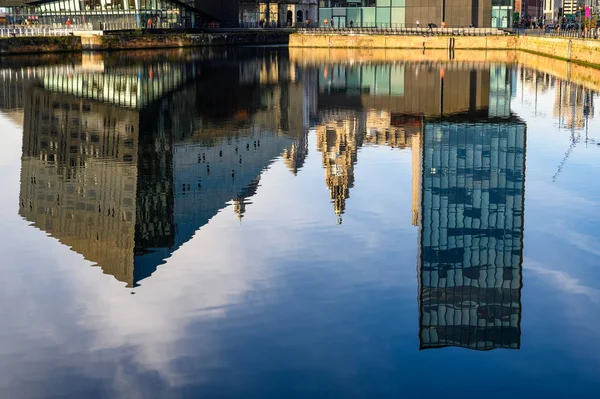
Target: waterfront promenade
584,51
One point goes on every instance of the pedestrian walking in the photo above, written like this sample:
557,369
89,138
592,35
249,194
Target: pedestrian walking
418,23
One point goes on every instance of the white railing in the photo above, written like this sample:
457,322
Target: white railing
62,30
37,31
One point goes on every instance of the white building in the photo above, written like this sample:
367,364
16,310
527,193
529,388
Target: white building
551,9
570,6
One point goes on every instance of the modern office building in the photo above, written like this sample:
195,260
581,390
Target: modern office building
409,13
126,13
16,12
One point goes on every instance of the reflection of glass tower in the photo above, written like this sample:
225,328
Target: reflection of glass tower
472,235
500,89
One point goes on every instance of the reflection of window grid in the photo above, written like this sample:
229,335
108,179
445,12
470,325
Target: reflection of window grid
481,168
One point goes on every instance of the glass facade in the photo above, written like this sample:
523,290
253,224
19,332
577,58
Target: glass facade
416,13
383,14
127,13
373,80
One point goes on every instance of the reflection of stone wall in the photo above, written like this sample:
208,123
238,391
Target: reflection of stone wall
472,235
468,58
582,51
78,177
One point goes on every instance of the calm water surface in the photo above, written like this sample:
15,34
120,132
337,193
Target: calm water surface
260,223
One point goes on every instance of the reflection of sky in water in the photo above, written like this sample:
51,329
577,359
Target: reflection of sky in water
288,299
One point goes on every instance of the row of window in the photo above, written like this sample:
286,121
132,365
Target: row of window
106,5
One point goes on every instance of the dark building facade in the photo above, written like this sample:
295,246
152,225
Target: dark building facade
410,13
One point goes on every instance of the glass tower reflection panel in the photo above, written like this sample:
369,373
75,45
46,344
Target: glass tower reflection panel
472,235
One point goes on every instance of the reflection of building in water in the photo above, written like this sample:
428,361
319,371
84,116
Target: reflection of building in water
572,104
500,91
341,133
124,186
80,185
468,180
389,104
126,88
536,81
338,141
429,89
472,235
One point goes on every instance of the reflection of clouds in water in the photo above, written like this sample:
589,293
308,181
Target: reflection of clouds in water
91,328
141,343
563,281
581,241
540,192
197,282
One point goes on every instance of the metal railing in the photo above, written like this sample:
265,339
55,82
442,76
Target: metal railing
404,30
34,31
62,30
569,33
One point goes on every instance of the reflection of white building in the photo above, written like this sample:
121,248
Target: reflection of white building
277,13
131,88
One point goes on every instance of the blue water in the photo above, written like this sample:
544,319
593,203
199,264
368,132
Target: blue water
236,224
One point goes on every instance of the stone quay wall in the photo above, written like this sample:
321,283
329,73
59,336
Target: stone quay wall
401,42
582,51
129,40
28,44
